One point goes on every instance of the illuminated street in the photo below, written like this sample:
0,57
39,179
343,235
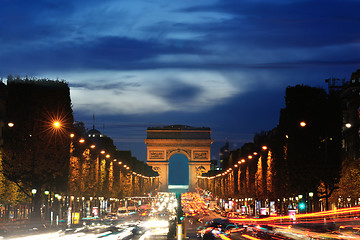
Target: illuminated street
201,223
180,120
340,224
150,223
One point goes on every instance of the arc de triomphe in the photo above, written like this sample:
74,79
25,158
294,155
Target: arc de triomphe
164,142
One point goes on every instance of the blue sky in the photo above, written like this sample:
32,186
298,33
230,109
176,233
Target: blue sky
219,64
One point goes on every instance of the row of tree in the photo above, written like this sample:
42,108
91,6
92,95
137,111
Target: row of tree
298,160
38,154
98,168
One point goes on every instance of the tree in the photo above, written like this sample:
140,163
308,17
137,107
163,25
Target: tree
349,184
313,151
259,185
269,173
36,153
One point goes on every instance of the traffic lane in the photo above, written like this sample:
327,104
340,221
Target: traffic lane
195,223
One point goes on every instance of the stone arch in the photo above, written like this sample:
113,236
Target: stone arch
164,142
170,153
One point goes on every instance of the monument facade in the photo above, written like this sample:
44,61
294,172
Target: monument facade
164,142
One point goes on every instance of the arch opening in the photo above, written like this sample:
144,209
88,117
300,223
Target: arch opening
179,170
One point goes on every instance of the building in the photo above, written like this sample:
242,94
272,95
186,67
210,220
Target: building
213,164
224,155
350,96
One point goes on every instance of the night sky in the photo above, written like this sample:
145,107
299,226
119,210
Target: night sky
219,64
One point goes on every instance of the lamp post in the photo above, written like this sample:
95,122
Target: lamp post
33,192
46,192
311,194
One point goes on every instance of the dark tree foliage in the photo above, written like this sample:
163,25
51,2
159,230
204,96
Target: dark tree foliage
36,154
313,151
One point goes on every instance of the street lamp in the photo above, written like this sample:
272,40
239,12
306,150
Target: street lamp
311,194
56,124
33,191
46,192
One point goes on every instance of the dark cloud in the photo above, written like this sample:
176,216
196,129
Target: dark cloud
179,93
102,53
288,24
24,21
35,37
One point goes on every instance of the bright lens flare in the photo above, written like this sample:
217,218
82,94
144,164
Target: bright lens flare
57,124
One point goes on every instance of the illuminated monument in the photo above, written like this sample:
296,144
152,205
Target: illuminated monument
164,142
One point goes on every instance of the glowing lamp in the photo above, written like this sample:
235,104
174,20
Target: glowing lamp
56,124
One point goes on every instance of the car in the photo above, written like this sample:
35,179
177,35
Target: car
138,230
218,222
111,216
232,214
